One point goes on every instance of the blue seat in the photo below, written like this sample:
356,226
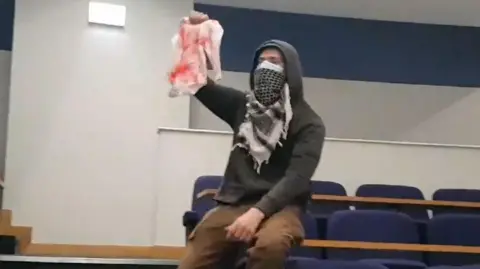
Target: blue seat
321,210
200,206
393,191
454,229
310,227
305,263
325,208
302,263
445,267
397,263
418,214
471,266
456,195
375,226
312,263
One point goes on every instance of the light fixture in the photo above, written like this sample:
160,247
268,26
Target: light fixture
107,14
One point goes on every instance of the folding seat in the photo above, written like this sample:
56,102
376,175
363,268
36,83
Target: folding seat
202,205
419,214
325,208
393,191
375,226
321,210
456,195
312,263
310,226
308,263
454,229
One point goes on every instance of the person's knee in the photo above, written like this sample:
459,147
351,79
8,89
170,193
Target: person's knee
271,246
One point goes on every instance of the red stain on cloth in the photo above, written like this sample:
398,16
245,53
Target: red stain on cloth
197,48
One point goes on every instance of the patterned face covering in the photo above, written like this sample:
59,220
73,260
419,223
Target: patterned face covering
269,81
268,114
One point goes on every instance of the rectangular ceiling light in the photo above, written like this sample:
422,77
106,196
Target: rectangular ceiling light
107,14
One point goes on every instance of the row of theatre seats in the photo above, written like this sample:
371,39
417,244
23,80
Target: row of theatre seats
344,221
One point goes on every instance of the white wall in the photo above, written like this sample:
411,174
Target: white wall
4,89
378,111
84,107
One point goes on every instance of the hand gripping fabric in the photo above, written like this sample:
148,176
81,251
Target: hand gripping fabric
197,48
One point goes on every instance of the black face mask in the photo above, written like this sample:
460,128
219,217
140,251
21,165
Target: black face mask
269,82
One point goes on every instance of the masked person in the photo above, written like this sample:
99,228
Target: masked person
277,143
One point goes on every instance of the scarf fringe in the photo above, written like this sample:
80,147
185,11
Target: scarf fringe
260,159
257,165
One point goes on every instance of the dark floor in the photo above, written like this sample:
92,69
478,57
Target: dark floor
23,262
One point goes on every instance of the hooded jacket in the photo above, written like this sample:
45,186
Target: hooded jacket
285,179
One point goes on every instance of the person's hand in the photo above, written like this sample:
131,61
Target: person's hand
197,17
245,226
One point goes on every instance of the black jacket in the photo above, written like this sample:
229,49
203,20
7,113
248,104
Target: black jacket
285,180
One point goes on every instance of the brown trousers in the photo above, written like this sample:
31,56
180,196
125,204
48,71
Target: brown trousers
208,247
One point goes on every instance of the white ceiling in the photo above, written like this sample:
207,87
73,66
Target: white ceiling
450,12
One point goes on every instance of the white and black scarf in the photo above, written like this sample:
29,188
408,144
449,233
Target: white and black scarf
266,122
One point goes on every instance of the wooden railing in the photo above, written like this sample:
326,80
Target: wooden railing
390,246
374,200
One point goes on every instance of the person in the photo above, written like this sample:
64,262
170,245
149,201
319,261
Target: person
277,144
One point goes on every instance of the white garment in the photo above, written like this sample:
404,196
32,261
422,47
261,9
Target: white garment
194,45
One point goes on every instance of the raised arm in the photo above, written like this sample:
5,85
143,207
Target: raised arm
223,101
303,163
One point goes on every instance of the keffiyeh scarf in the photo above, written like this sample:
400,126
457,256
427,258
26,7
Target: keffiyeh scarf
264,127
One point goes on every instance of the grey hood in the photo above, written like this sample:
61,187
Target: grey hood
293,68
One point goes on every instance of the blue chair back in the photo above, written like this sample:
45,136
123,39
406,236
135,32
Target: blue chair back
456,195
202,205
312,263
325,208
321,210
454,229
393,191
309,263
311,232
372,226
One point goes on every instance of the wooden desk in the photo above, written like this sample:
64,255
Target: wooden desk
374,200
390,246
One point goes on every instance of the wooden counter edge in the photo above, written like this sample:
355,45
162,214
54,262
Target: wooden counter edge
378,200
390,246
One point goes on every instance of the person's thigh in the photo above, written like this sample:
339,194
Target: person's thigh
275,238
207,245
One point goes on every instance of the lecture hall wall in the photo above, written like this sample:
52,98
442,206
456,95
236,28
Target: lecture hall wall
6,34
368,79
85,164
